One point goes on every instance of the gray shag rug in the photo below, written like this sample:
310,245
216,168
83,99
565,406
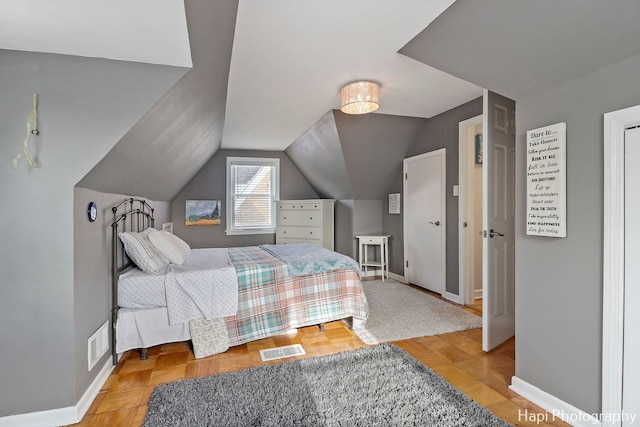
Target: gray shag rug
398,312
371,386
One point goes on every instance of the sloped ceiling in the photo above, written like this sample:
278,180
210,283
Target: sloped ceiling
170,144
318,155
148,31
291,57
354,157
519,48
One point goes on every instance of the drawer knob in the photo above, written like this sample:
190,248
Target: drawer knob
284,232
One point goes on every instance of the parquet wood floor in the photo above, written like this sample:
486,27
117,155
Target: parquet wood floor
457,356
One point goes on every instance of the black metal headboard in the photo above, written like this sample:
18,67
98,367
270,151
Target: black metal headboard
129,215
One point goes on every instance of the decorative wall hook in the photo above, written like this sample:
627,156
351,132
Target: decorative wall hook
32,125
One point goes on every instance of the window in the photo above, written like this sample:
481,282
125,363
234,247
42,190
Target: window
252,190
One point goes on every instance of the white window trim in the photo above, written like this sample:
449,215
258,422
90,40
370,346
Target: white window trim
272,161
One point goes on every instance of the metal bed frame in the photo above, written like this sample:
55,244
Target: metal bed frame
132,215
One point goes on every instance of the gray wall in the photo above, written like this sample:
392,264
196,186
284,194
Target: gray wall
343,226
367,219
92,272
438,132
373,146
559,281
210,183
86,105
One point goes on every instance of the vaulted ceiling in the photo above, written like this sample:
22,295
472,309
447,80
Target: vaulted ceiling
520,48
267,74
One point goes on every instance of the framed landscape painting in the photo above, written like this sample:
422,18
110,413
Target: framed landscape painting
202,212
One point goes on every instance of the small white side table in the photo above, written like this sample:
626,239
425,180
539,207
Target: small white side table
363,256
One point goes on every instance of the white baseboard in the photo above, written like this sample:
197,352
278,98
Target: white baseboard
378,273
447,295
453,298
62,416
556,408
397,278
477,294
370,273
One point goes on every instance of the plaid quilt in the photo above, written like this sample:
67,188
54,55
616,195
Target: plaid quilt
270,302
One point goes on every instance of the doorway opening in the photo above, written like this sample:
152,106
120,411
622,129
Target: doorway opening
470,211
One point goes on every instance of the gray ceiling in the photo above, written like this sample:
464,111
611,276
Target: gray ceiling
170,144
518,47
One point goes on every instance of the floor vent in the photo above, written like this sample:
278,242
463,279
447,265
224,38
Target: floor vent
98,344
281,352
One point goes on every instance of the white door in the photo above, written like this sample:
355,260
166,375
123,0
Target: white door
498,217
425,220
631,367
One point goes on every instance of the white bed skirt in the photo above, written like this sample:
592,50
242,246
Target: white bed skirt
145,328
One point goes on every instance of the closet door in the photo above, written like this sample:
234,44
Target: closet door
425,220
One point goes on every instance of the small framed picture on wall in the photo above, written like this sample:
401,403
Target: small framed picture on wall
478,150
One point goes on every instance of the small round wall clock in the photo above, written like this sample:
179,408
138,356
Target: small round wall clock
92,211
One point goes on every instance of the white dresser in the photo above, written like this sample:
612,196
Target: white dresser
305,221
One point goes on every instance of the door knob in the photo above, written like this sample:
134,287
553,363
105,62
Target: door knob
437,223
493,234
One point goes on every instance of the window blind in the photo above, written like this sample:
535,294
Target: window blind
253,192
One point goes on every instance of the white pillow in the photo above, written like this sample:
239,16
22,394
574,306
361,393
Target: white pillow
140,250
172,247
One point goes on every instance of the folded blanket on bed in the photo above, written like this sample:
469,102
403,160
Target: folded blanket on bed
206,286
303,259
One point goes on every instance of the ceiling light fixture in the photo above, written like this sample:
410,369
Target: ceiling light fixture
360,97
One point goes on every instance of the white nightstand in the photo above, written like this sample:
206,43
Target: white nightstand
378,240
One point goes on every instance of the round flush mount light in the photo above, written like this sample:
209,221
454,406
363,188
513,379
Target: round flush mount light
360,97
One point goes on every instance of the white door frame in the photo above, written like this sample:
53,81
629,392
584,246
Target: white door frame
465,247
615,124
442,152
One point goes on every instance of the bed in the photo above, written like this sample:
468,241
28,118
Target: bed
221,297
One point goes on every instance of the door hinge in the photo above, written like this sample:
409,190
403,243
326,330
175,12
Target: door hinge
406,176
407,262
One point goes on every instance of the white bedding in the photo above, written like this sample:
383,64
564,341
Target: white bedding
147,328
205,286
137,289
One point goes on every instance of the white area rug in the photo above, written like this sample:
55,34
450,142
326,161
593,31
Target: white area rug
398,312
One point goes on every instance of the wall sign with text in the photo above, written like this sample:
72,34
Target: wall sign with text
546,181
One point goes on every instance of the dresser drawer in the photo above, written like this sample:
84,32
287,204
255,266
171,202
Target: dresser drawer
287,240
300,205
289,217
371,240
300,232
